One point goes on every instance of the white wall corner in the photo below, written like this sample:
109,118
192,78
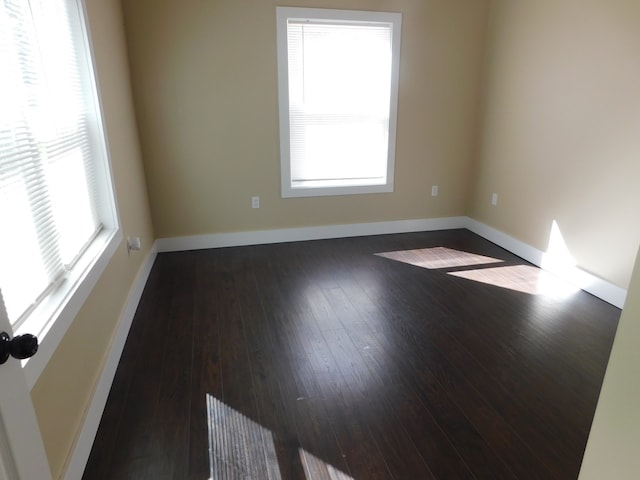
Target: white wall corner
77,461
577,277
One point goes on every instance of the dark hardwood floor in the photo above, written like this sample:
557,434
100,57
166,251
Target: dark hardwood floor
324,359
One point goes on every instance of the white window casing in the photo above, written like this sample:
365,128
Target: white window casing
58,212
338,95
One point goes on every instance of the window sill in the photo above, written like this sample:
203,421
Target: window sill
53,317
321,189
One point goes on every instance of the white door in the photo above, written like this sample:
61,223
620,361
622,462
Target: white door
22,454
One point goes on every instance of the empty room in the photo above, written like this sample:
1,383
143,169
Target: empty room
341,239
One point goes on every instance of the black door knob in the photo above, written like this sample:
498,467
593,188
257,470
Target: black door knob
20,347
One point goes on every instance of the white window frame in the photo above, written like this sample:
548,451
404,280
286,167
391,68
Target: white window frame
283,14
51,319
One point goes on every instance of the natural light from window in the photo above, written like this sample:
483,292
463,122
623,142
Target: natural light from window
521,278
339,80
338,95
558,258
57,208
241,448
438,257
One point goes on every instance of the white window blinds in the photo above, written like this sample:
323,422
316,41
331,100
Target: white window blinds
47,177
339,89
338,76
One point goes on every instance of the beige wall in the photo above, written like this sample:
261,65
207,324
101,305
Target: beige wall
64,389
561,129
612,449
205,84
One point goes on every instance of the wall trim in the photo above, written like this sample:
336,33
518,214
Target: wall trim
586,281
218,240
84,440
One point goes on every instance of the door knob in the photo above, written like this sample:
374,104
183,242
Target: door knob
20,347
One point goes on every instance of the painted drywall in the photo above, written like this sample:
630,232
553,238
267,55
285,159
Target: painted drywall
64,389
612,448
205,85
560,136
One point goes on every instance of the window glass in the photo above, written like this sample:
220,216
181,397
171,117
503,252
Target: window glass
338,96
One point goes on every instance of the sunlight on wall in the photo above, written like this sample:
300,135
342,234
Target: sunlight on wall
559,261
558,258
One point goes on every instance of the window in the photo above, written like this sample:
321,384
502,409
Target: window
338,90
57,211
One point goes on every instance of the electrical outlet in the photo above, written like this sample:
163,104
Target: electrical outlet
133,244
494,199
255,202
434,191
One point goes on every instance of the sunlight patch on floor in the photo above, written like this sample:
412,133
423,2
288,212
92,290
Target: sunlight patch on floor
521,278
241,449
314,468
438,257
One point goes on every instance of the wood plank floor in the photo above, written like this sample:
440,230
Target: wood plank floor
417,356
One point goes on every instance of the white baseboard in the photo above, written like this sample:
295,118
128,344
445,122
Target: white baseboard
596,286
219,240
84,441
515,246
